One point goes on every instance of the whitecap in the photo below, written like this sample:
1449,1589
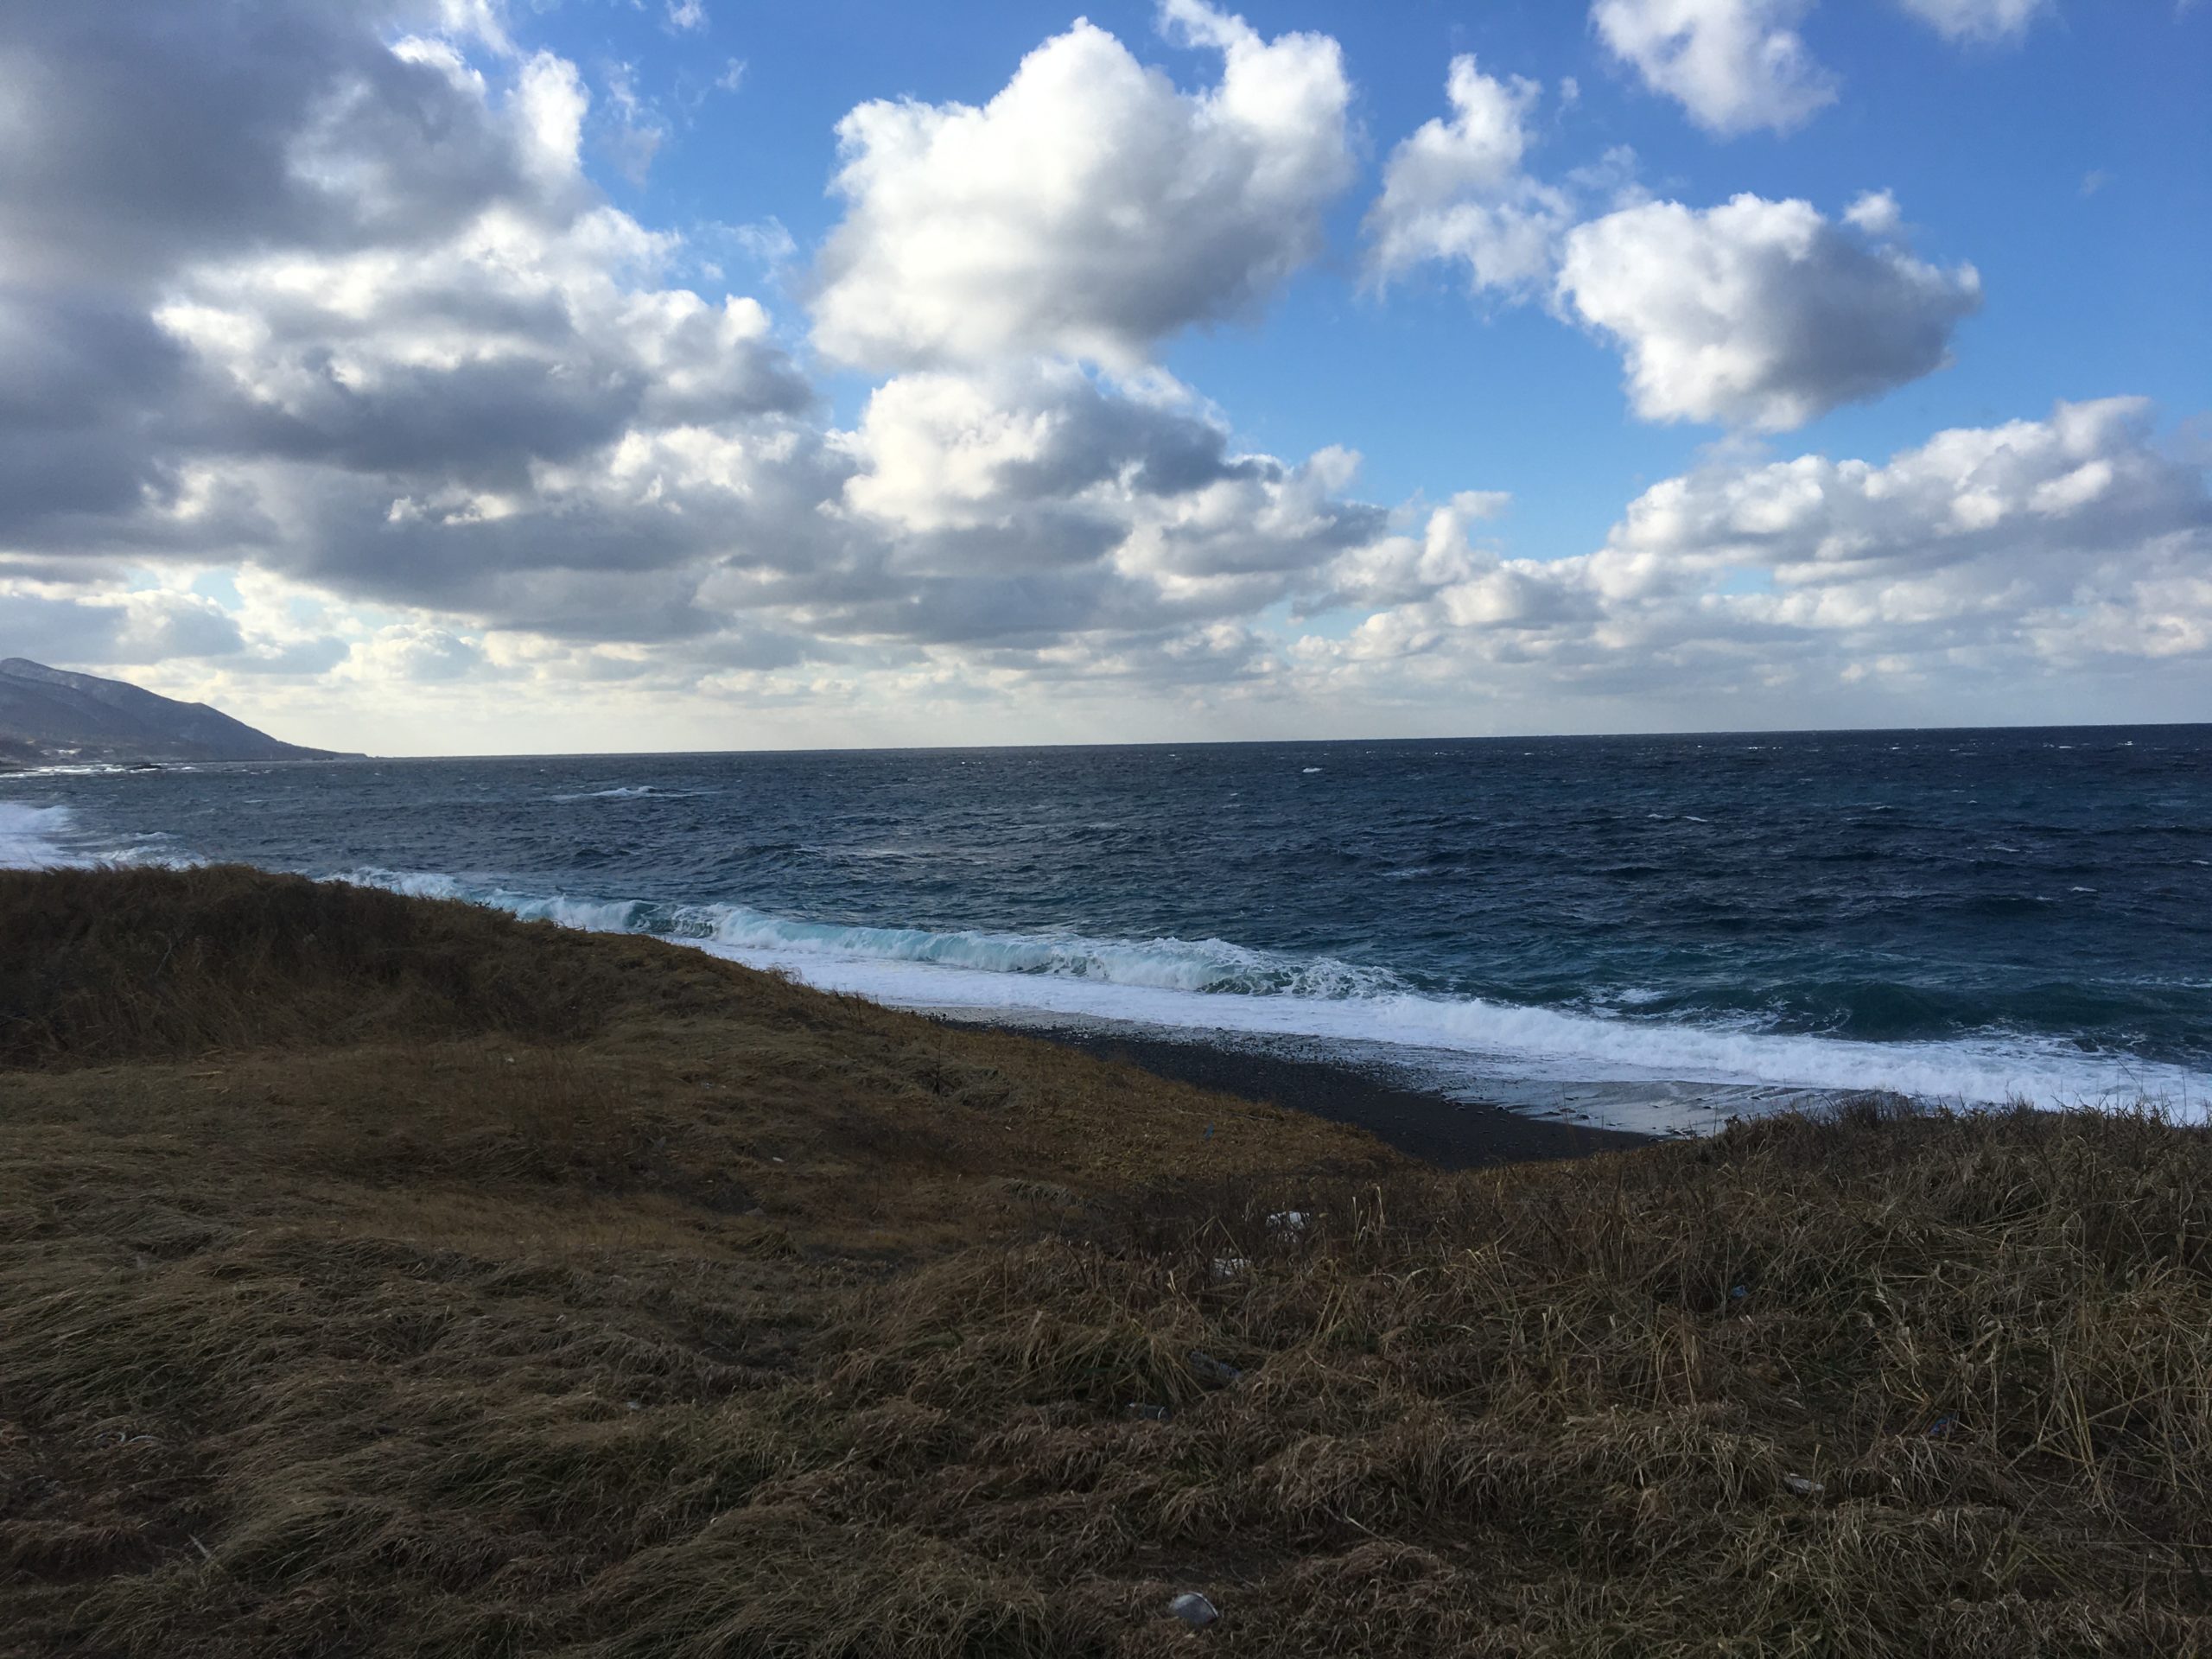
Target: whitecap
31,837
634,792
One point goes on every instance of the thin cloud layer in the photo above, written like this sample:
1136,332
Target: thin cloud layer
1980,22
1090,209
1735,65
1761,314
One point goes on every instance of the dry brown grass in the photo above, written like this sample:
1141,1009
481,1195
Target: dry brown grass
447,1285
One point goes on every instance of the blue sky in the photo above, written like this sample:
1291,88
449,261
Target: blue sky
1989,149
416,477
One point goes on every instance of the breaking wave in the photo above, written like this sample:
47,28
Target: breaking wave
1215,986
34,837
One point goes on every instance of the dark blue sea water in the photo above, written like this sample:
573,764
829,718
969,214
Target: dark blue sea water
1964,915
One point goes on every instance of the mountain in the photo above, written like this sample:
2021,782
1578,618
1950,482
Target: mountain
49,715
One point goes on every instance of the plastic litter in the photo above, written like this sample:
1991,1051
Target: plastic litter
1804,1487
1214,1370
1194,1609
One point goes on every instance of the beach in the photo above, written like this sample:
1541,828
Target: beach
1429,1125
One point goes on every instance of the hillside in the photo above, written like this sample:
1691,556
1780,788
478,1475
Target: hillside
388,1277
48,714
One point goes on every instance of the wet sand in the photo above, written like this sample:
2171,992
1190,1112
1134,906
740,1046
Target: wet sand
1433,1126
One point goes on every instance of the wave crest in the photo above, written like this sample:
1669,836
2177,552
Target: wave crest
32,837
1213,985
1202,966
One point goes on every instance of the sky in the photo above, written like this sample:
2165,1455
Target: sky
550,376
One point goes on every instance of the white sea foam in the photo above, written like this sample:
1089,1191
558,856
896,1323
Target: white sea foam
1207,967
32,837
1214,986
1529,1042
635,792
588,915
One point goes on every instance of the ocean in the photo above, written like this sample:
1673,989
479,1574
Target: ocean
1655,931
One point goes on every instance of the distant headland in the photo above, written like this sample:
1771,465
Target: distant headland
50,716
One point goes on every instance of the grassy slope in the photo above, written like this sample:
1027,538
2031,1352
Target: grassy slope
385,1277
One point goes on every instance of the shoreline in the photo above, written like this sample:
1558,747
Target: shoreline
1426,1124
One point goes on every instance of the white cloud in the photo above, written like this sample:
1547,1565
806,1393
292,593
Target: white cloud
1877,214
1455,190
426,413
1735,64
1760,314
1976,562
482,21
1090,208
1135,504
552,103
1405,569
2089,481
636,131
414,652
1980,22
687,16
50,621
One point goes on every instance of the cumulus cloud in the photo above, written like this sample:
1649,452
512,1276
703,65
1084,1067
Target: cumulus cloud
1407,570
414,652
2089,481
475,396
1126,513
1980,22
1456,191
1877,214
1088,210
139,149
1986,555
431,327
1761,314
1735,64
371,386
